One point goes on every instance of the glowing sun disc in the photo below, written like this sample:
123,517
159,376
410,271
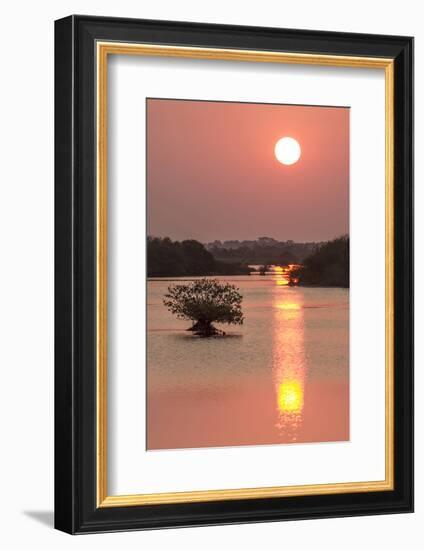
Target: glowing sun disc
287,150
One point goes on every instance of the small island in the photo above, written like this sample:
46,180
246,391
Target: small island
205,301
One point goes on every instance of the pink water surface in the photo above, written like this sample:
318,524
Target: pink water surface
282,377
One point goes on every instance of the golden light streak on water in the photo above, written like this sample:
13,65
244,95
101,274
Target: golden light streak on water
283,274
287,306
289,362
290,396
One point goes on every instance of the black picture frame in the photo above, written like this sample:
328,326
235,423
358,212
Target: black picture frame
76,510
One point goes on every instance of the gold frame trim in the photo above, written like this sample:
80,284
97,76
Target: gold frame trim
103,49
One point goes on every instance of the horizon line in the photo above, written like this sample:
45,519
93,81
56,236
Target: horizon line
247,240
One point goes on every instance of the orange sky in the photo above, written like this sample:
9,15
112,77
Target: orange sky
212,173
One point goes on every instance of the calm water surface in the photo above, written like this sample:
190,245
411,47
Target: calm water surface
281,377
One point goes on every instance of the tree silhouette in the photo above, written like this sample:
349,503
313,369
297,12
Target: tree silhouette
167,258
204,302
327,266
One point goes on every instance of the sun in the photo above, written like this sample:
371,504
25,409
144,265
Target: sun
287,150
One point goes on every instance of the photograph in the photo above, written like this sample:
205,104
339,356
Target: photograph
247,273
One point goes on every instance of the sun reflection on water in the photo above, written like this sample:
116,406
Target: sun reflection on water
290,396
287,306
284,274
289,362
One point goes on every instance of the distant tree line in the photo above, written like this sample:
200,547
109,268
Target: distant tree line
264,250
167,258
328,265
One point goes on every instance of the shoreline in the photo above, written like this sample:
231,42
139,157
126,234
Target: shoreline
189,278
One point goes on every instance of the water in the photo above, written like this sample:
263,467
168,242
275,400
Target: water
281,377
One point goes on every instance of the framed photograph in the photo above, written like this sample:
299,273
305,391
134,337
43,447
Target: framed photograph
234,271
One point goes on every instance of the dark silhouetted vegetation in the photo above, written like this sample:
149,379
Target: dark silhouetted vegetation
167,258
204,302
263,269
327,266
264,250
